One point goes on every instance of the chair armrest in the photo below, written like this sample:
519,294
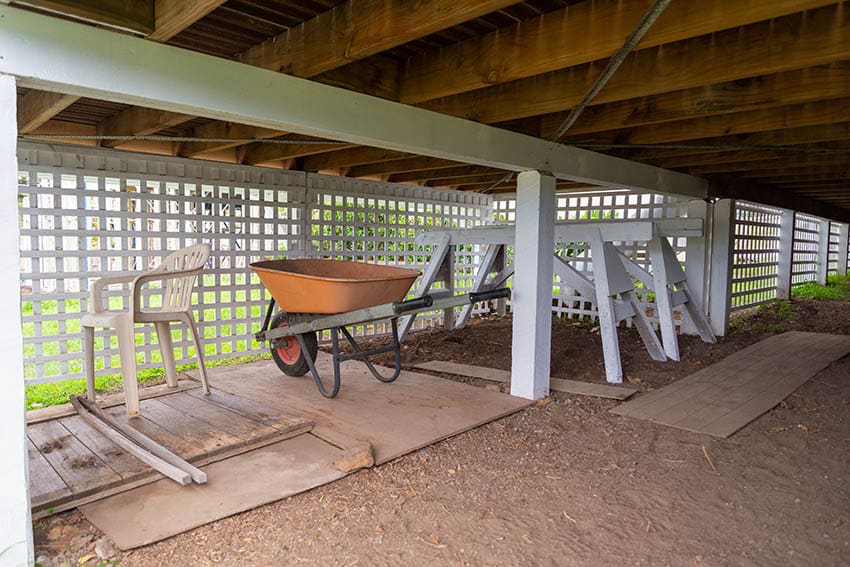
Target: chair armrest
96,304
155,275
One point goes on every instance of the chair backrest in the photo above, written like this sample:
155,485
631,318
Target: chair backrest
178,290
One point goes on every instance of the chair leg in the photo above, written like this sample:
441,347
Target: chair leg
88,348
199,349
166,348
127,351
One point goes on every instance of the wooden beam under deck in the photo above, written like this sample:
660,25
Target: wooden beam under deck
38,107
578,34
823,82
358,29
136,16
796,41
728,124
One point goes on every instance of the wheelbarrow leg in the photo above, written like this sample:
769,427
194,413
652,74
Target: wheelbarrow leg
364,356
312,365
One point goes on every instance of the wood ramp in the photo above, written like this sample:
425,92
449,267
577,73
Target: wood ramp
71,463
724,397
557,384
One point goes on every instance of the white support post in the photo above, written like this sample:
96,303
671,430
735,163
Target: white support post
697,257
16,545
447,276
532,287
841,260
720,287
823,251
786,254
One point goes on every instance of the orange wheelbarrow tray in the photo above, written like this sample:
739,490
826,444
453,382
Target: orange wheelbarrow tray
315,295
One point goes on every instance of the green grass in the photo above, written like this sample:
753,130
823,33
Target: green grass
837,288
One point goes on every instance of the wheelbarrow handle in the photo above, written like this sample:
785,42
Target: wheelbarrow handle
488,295
417,304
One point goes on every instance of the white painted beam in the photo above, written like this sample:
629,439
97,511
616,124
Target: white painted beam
51,54
531,301
16,547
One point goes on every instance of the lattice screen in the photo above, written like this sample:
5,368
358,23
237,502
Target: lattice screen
599,205
804,262
835,255
755,260
87,213
377,222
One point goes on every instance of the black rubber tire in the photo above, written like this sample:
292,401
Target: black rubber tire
299,367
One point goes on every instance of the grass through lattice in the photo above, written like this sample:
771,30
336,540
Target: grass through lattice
55,393
837,288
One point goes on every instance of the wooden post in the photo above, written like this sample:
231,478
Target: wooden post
823,251
16,544
786,255
532,288
842,248
720,275
697,255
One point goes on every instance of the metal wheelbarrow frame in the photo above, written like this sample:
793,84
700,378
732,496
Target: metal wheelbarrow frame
304,326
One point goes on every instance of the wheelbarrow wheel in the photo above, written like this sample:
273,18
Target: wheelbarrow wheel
286,351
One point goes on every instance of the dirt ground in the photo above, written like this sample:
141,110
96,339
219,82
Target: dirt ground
565,482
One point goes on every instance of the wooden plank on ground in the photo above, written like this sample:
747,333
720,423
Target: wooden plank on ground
467,370
80,468
112,455
223,419
219,426
203,437
557,384
724,397
45,483
253,409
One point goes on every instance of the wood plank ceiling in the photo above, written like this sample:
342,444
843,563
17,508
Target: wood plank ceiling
754,94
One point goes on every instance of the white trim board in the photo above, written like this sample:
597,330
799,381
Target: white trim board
51,54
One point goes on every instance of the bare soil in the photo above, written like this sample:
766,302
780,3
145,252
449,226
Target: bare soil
565,482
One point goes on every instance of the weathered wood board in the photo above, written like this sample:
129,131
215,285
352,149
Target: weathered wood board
557,384
724,397
73,463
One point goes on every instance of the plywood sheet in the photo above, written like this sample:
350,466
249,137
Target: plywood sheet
412,412
724,397
164,508
557,384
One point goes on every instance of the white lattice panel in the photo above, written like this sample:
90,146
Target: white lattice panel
804,262
835,255
755,255
85,216
599,205
377,222
87,213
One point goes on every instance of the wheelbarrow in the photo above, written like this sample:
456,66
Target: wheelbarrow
315,295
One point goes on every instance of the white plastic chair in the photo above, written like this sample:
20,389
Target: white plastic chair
178,273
